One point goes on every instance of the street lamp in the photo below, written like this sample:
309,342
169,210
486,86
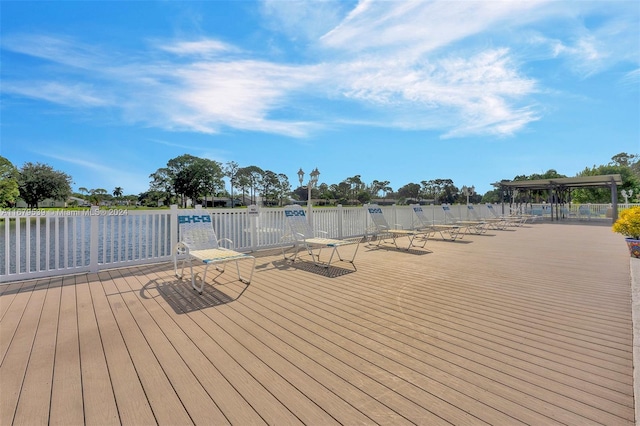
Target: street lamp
313,181
468,191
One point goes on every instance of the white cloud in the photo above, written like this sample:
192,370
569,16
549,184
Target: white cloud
447,65
454,92
208,96
302,19
59,49
203,47
72,95
420,26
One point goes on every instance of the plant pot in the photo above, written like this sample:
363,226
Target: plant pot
634,247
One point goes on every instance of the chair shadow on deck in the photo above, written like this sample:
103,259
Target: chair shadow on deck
308,266
183,299
412,251
419,251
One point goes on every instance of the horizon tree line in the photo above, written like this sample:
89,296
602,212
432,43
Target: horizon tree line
188,177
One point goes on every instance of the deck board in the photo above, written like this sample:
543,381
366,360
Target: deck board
66,393
33,405
98,399
127,387
530,325
16,354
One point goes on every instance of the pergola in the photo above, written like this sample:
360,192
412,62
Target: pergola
558,186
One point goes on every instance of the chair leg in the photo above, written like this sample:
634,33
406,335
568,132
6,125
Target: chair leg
244,280
340,258
294,256
204,278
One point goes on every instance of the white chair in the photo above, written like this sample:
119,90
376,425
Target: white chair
198,242
303,237
584,211
382,231
491,222
473,226
514,219
453,231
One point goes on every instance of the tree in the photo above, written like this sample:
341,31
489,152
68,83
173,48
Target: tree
231,170
9,189
249,177
623,159
356,185
39,181
242,182
269,187
97,196
603,195
283,187
117,192
151,198
449,192
161,186
377,186
410,191
188,177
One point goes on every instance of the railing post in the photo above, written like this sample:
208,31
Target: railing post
173,226
340,211
366,219
93,239
394,216
253,211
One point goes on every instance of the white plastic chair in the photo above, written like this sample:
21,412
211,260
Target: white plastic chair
473,226
453,231
516,218
491,222
382,231
198,242
303,237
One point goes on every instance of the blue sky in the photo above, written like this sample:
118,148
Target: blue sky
403,91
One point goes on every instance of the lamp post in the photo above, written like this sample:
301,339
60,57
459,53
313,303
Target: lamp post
468,191
313,181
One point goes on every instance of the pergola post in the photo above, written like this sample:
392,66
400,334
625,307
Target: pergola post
614,201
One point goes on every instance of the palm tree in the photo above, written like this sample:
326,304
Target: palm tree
117,192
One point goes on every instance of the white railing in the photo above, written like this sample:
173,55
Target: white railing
40,243
574,211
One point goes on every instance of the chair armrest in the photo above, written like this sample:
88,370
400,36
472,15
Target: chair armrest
227,240
181,248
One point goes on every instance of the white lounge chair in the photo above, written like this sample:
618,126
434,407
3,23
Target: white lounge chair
491,222
423,224
303,237
198,242
514,219
473,226
584,211
382,231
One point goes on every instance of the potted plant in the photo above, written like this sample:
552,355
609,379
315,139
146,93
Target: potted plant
628,224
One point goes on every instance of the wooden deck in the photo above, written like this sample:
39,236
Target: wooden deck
530,325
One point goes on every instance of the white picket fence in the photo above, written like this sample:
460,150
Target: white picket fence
41,243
